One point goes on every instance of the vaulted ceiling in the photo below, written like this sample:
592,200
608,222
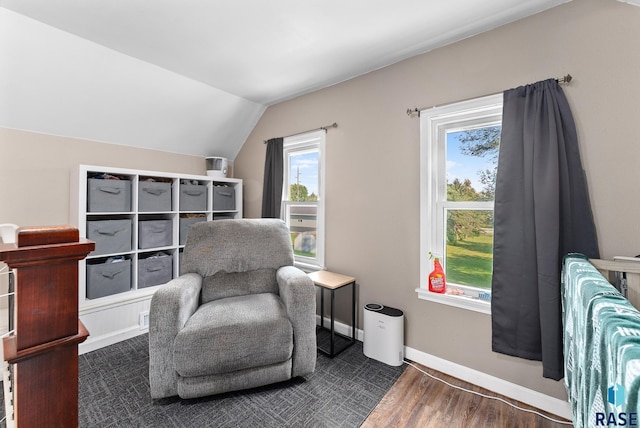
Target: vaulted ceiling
195,76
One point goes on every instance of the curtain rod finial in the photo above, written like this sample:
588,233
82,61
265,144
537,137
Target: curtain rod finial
565,79
413,111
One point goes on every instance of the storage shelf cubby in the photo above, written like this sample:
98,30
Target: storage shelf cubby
139,220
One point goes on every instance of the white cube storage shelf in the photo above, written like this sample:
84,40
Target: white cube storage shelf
141,217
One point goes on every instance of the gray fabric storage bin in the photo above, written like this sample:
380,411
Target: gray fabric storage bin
108,195
224,198
105,278
155,270
193,197
110,236
223,216
155,233
185,223
154,196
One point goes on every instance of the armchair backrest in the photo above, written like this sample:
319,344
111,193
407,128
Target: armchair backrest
237,257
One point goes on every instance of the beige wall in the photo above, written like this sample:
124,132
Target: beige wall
35,170
372,158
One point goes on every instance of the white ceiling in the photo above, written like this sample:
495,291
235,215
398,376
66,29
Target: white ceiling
194,77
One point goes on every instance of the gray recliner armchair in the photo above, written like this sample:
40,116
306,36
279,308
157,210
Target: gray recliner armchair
239,316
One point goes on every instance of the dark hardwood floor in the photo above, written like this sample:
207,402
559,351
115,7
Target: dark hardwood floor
416,400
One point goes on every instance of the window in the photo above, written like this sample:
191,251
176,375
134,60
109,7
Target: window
303,197
459,154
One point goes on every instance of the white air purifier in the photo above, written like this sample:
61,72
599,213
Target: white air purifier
217,167
383,334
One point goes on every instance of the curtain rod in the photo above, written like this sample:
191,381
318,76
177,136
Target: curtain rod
411,112
322,128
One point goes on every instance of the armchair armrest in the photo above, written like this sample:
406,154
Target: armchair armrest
299,297
171,306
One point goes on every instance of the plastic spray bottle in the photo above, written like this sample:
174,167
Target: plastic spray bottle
437,282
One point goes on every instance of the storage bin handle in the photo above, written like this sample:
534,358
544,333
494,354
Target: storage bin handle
112,190
109,232
193,192
154,192
112,274
154,268
224,193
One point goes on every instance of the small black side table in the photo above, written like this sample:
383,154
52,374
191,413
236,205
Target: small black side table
332,281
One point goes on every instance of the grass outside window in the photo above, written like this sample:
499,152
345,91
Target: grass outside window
470,261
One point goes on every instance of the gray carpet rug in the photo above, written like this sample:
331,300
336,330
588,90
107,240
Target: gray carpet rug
114,392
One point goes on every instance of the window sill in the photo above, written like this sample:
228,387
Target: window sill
308,267
465,302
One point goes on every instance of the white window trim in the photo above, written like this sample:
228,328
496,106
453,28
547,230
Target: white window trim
310,140
466,301
433,122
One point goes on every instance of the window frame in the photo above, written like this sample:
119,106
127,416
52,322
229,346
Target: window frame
435,122
298,144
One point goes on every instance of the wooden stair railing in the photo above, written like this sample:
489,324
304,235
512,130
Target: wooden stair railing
44,348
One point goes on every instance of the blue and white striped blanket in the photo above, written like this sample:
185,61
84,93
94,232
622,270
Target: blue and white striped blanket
601,348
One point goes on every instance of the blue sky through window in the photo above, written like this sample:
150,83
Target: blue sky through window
307,165
462,166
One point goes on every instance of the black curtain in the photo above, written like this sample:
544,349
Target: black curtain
272,184
542,212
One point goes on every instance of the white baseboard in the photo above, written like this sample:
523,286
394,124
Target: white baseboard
517,392
93,343
500,386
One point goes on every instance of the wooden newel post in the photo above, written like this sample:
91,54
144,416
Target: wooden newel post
44,347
